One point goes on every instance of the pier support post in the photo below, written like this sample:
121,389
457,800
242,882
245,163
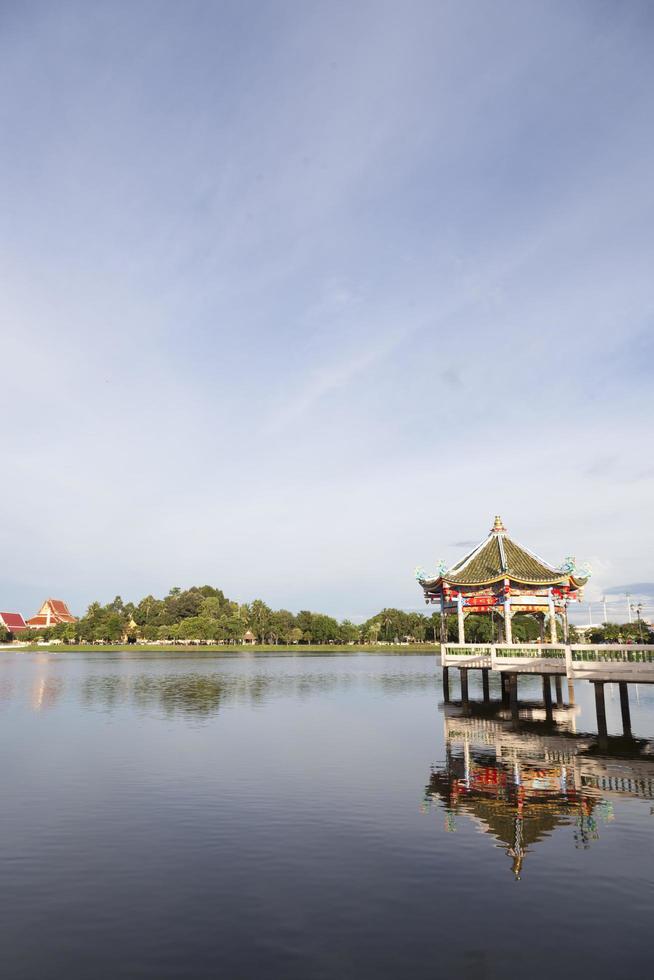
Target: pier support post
624,709
600,707
484,684
571,691
547,696
504,681
446,684
559,689
464,684
513,697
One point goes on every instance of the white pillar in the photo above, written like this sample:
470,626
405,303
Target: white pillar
508,636
459,612
550,602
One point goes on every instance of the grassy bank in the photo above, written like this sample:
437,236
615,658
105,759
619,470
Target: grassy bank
414,648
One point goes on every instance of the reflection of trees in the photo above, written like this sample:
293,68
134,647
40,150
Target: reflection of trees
196,694
405,683
204,693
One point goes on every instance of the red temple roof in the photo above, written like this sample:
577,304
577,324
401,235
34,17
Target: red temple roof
37,621
61,610
13,621
51,613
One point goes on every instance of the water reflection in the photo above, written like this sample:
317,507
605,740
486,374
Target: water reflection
520,782
200,693
200,689
204,693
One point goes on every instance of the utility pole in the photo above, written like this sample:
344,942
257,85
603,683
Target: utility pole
606,618
590,614
638,609
628,597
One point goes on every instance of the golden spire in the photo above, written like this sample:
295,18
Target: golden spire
498,526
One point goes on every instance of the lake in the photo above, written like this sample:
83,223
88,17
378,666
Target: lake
314,816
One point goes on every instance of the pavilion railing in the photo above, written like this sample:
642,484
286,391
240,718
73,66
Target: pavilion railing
611,653
466,649
536,651
576,657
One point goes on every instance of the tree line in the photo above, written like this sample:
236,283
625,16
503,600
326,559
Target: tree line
204,614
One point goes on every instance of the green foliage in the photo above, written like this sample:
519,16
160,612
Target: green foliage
638,632
203,614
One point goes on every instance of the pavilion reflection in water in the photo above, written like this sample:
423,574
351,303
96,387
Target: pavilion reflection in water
521,782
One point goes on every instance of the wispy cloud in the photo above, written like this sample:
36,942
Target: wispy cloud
292,296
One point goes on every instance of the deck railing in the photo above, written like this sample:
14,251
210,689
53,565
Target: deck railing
559,657
536,651
611,653
467,649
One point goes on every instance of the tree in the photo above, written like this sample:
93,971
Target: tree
417,626
371,630
348,632
282,623
149,610
211,607
525,629
260,619
478,628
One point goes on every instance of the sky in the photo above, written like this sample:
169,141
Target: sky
296,296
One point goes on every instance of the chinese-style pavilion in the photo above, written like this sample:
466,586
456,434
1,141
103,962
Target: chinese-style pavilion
502,576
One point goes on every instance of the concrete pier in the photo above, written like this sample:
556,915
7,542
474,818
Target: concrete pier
547,696
446,684
600,708
559,688
485,686
463,671
624,709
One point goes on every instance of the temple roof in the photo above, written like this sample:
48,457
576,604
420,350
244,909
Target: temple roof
13,621
56,609
498,557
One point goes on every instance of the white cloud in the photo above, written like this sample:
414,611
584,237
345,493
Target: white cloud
292,302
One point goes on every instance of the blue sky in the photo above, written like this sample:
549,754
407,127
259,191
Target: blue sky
297,296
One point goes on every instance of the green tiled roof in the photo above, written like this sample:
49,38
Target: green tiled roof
499,557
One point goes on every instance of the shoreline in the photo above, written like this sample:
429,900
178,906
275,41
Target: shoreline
325,648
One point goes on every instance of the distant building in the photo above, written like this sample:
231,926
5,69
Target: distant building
130,633
249,637
52,613
12,622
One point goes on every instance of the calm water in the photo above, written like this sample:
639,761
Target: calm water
312,817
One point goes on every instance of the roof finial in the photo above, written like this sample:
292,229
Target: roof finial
498,526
